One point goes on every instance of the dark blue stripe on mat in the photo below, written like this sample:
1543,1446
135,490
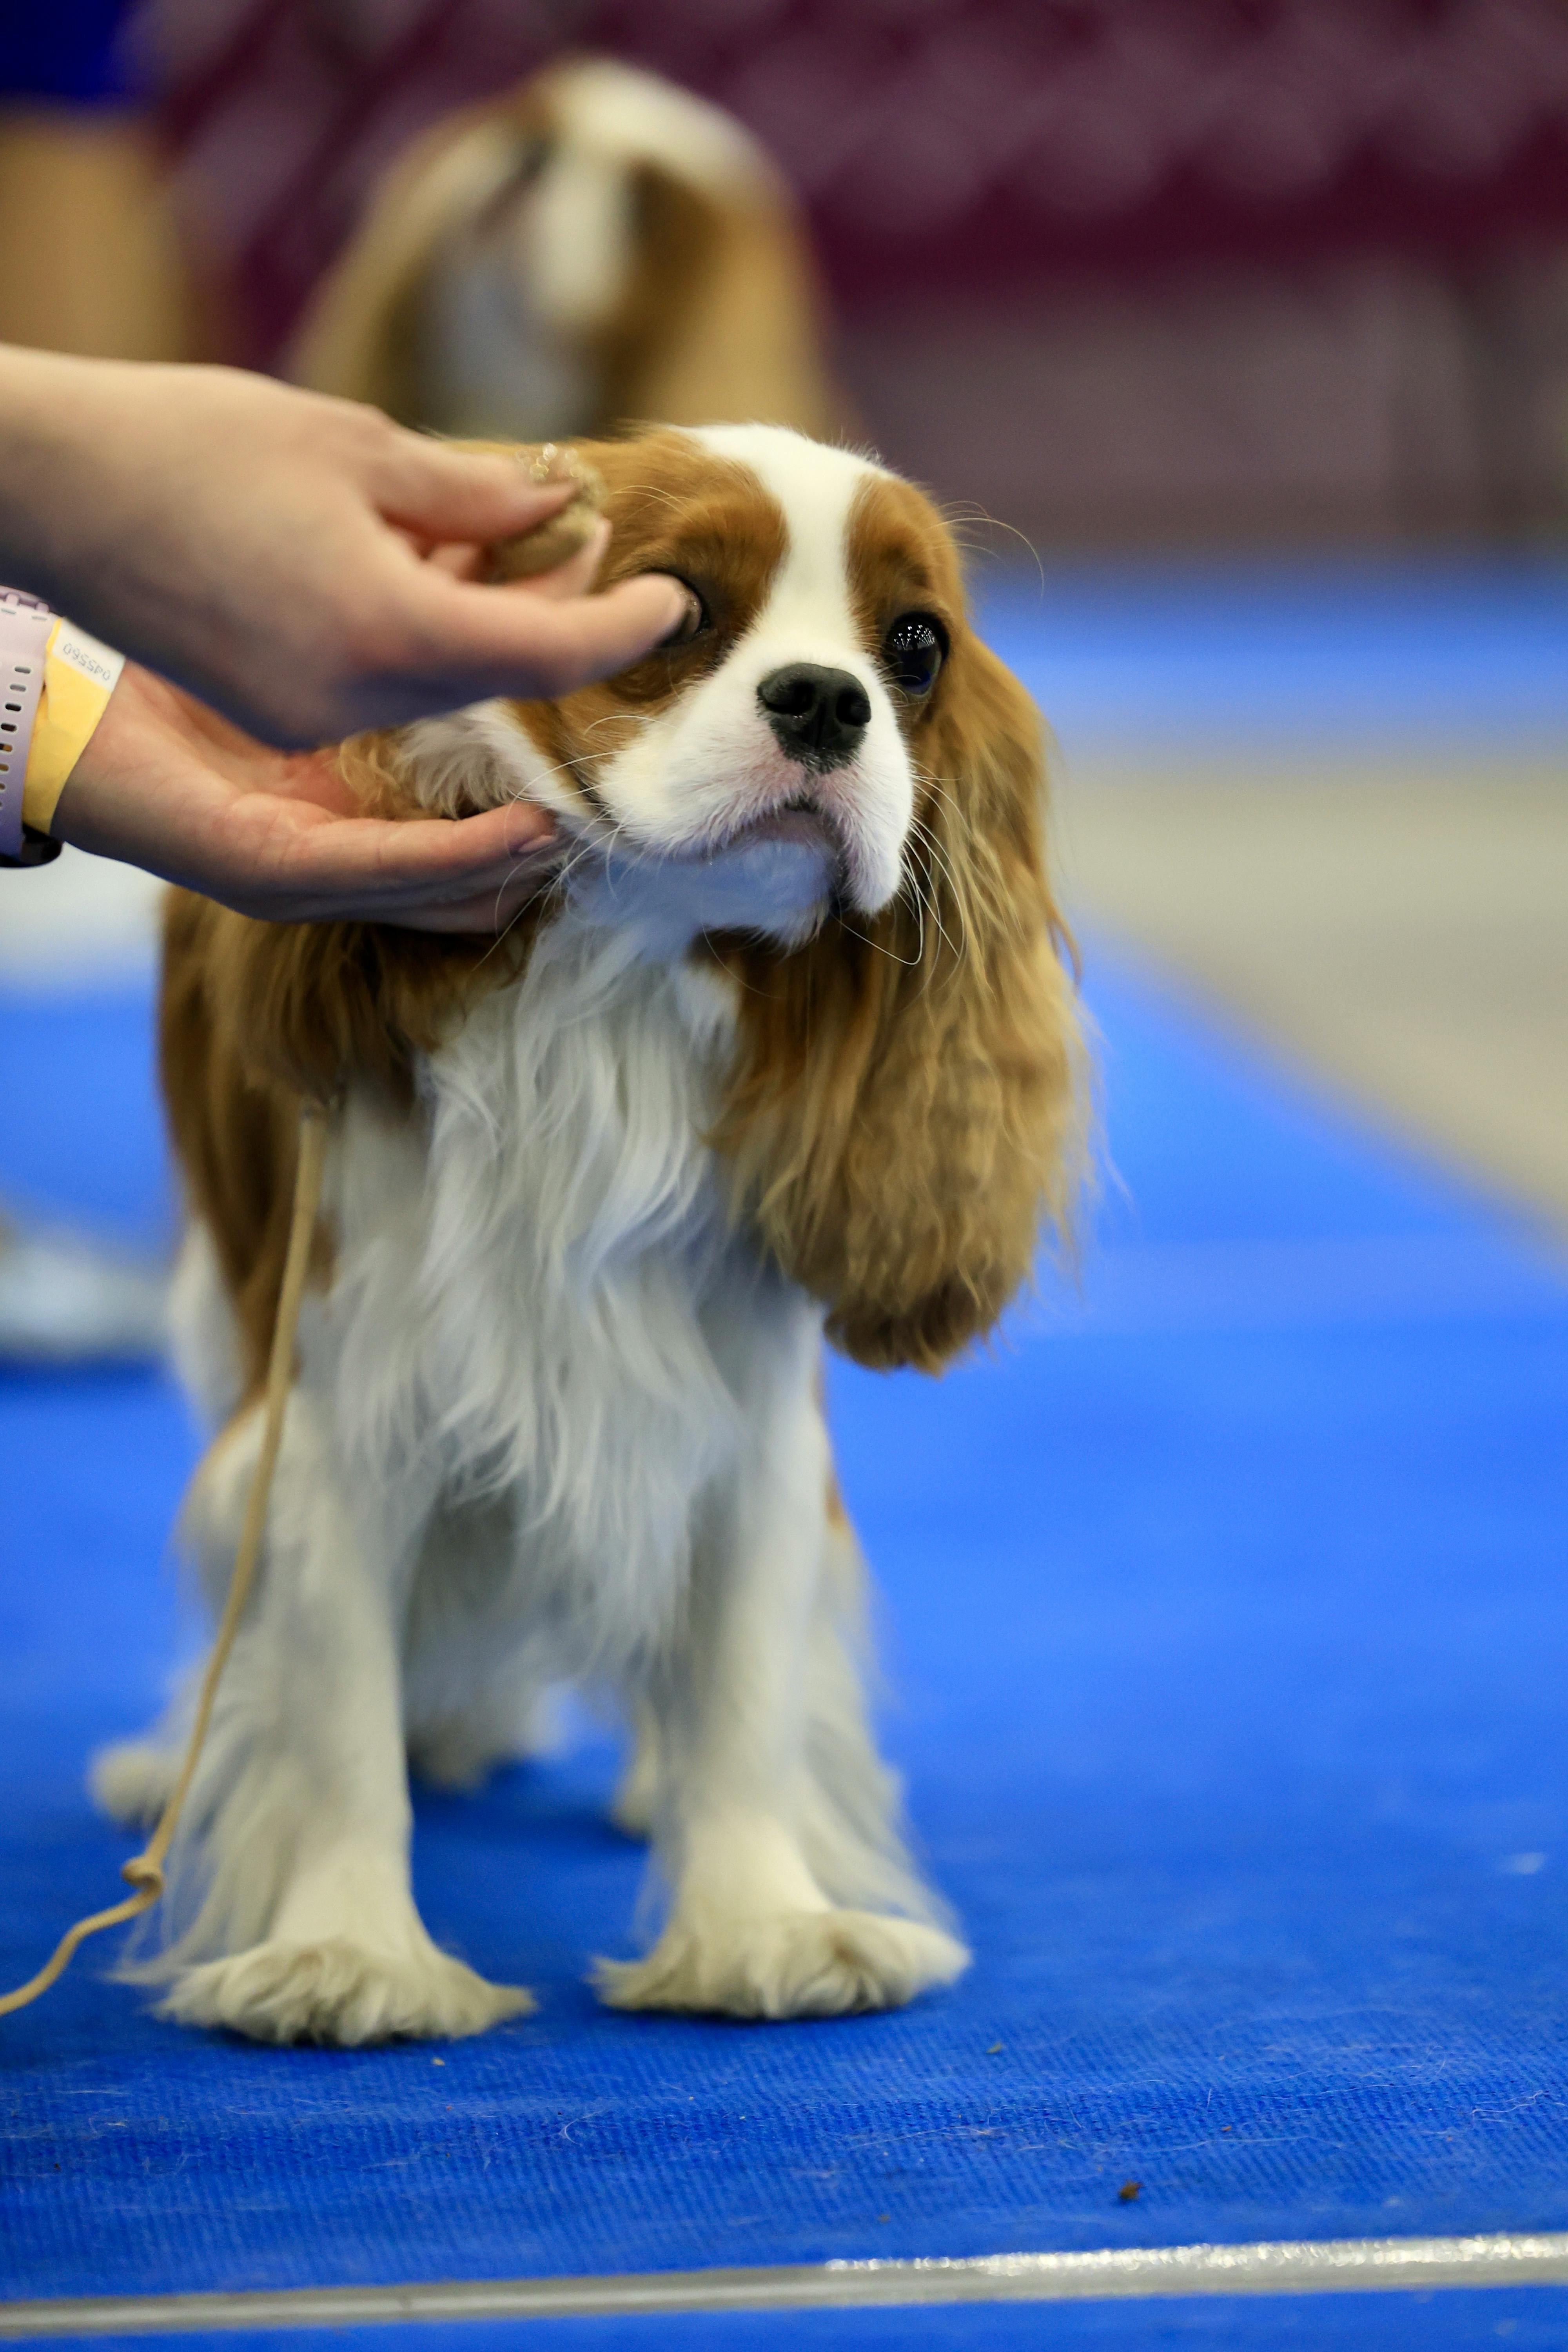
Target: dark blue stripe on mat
1231,1679
1460,653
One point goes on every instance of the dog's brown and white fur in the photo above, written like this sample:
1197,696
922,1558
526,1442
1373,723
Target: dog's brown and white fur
592,245
790,1045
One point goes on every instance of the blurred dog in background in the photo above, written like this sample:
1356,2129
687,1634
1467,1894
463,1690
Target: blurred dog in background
595,247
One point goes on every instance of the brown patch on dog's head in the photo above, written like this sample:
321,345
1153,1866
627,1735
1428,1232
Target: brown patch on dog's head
672,507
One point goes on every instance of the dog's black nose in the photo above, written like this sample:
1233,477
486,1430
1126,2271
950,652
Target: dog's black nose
819,715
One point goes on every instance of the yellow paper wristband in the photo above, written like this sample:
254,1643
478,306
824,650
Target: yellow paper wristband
79,675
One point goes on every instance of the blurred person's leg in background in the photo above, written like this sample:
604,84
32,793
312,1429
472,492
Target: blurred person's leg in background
92,266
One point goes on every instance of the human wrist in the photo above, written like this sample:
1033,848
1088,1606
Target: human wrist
56,414
56,682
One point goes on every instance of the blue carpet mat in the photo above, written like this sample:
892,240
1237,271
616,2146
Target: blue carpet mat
1498,2319
1225,1629
1459,653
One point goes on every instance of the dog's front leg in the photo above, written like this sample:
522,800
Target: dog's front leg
307,1930
750,1930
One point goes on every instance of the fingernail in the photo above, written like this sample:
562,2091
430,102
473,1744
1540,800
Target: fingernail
526,836
685,611
548,464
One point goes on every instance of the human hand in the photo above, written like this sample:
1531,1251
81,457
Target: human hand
167,785
271,549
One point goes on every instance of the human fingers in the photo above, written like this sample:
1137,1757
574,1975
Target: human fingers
316,779
483,914
161,786
572,577
447,494
431,873
284,861
577,574
463,643
463,562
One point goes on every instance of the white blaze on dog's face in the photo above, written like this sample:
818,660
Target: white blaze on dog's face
765,767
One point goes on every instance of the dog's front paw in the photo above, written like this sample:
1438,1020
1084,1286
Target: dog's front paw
793,1964
335,1992
132,1782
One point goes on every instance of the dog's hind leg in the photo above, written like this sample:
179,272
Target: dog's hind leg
132,1780
295,1859
791,1896
633,1808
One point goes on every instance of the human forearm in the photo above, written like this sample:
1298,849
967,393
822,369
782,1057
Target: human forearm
45,431
266,548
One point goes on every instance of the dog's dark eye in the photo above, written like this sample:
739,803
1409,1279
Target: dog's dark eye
913,650
692,621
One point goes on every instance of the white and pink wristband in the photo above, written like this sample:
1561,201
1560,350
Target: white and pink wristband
55,685
26,628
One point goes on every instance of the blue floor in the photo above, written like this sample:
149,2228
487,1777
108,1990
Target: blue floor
1229,1668
1521,2319
1457,653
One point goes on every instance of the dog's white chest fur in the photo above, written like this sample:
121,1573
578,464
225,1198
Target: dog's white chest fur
525,1308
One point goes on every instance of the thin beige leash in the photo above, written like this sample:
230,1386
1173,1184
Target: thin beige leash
145,1873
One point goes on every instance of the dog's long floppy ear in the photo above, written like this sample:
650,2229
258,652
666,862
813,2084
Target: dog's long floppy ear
905,1109
721,319
360,334
255,1016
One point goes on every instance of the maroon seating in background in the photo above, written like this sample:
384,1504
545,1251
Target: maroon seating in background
1315,244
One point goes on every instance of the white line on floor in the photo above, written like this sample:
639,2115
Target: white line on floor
1284,2266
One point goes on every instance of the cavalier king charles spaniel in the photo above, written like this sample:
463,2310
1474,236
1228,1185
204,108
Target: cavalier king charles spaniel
590,245
787,1049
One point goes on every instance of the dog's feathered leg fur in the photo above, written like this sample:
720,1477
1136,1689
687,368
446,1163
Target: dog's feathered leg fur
294,1917
754,1930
